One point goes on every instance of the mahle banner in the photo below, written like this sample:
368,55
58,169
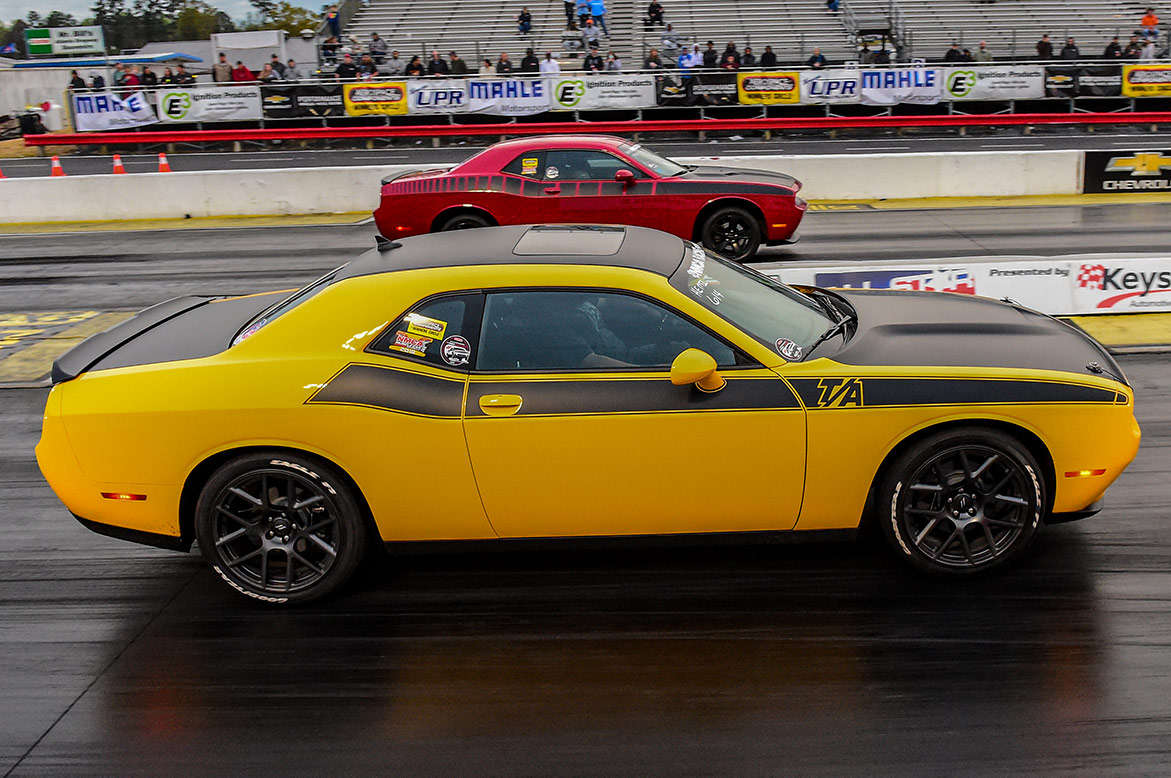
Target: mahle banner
892,86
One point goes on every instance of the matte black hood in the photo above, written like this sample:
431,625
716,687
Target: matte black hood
742,176
943,329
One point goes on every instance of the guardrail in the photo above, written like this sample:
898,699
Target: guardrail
767,125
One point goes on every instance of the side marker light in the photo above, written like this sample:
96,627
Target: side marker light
1084,473
124,496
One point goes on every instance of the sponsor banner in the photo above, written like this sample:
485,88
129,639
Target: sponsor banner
1061,81
508,96
54,41
1127,171
278,102
1146,80
319,100
439,96
106,111
892,86
1100,81
1122,286
601,90
994,83
768,88
712,89
209,104
385,98
830,86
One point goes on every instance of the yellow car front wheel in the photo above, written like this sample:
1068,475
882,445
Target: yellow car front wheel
280,528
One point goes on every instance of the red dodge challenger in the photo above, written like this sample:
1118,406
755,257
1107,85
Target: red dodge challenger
596,179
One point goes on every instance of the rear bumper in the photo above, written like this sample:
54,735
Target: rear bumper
1084,513
158,540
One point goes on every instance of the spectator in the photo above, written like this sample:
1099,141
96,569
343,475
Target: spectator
293,73
731,51
768,59
458,66
967,54
168,78
652,61
1044,48
182,77
749,59
1148,52
366,68
394,65
486,69
240,74
613,63
267,74
590,33
377,49
572,40
689,60
529,63
414,68
865,55
550,66
97,82
654,14
711,57
817,61
583,12
119,74
1113,49
221,72
882,57
570,7
982,53
832,5
149,79
75,81
347,70
954,54
729,63
437,65
1150,24
334,20
524,21
671,42
598,11
504,65
1134,49
277,65
329,49
593,62
1069,50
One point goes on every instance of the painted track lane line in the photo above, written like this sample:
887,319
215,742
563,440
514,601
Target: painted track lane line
30,365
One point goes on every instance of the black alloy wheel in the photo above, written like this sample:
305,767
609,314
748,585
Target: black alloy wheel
962,502
464,221
732,233
280,528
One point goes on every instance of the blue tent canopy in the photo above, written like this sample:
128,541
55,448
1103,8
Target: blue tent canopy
89,62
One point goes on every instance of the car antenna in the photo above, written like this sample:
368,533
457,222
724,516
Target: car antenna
385,244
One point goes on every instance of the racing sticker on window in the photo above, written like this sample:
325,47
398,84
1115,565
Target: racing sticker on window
456,350
425,327
552,172
409,344
788,349
528,166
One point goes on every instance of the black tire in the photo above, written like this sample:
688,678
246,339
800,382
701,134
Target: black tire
731,232
464,221
962,502
263,549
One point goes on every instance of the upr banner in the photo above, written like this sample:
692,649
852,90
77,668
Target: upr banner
892,86
442,96
601,90
830,86
1126,171
106,111
994,83
769,88
1146,80
382,98
508,96
209,104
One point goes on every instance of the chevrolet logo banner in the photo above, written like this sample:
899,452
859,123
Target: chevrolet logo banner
1134,171
1144,163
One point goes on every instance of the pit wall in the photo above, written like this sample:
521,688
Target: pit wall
299,191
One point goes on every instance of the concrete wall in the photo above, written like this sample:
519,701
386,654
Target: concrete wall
350,189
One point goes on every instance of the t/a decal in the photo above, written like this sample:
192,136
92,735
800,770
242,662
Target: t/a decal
840,393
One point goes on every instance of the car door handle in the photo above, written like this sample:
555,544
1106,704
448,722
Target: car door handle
500,404
553,190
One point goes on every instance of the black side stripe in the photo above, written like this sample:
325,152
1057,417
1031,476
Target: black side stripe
877,392
394,390
546,398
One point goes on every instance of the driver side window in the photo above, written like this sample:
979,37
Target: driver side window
585,165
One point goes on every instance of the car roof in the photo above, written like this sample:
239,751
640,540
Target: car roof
561,142
636,248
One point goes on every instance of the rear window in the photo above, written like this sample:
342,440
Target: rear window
283,307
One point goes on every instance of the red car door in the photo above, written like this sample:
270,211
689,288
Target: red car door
580,186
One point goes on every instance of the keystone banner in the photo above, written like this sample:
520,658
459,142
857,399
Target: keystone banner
830,86
508,96
902,85
381,98
296,101
106,111
994,83
1146,80
209,104
1126,171
601,90
769,88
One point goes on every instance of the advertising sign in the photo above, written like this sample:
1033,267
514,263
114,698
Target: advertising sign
508,96
713,89
1127,171
438,96
1100,81
1146,80
1061,81
769,88
1105,285
48,41
601,90
994,83
209,104
319,100
106,111
830,86
384,98
892,86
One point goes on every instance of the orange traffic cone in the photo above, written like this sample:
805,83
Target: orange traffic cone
57,169
2,174
118,168
164,165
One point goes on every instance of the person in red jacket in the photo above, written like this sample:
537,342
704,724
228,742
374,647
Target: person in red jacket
241,73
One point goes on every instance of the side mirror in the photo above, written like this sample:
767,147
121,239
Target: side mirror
624,176
697,367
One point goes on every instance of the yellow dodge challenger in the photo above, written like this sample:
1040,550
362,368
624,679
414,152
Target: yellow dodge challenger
577,381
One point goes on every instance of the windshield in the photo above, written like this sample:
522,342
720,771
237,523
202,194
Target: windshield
298,297
776,315
660,166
